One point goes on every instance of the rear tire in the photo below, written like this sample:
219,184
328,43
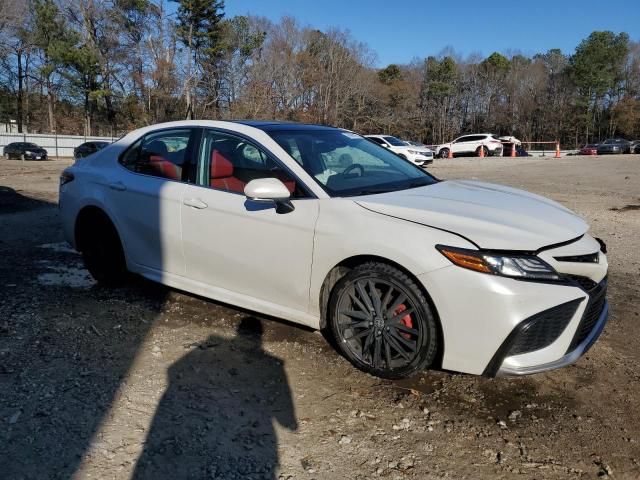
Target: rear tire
102,251
382,322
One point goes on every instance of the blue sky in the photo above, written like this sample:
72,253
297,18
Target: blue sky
398,31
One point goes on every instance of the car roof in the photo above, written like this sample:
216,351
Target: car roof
271,125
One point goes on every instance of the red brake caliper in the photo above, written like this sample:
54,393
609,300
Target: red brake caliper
406,320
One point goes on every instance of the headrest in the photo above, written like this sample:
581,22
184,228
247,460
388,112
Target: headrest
220,166
158,148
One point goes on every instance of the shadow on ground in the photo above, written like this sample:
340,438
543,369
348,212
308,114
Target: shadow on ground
215,420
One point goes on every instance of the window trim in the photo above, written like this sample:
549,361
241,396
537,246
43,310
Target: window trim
194,137
273,157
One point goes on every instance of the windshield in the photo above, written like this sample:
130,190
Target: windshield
346,164
396,142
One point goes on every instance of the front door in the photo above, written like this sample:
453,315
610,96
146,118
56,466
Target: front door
240,245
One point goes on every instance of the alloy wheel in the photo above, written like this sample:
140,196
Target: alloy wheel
378,324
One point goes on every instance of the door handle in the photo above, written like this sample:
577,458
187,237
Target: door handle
195,203
119,186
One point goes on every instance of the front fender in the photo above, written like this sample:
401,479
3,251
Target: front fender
345,230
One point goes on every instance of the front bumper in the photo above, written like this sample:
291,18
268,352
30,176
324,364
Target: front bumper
421,160
480,314
568,359
35,156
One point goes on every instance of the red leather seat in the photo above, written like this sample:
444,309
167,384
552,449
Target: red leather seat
222,174
288,182
164,168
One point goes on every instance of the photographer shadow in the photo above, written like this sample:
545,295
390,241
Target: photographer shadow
216,418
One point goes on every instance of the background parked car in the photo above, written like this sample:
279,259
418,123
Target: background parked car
88,148
25,151
614,145
419,155
589,149
635,146
520,150
471,145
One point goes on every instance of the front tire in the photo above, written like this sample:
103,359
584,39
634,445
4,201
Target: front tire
444,153
103,254
382,322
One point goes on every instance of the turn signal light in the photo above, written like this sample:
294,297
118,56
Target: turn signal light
466,261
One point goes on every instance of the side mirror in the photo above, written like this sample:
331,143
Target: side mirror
270,190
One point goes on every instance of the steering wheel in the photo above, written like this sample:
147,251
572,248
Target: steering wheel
351,167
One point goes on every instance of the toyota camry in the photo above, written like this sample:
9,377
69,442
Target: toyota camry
323,227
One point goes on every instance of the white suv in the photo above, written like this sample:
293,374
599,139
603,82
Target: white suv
471,145
421,156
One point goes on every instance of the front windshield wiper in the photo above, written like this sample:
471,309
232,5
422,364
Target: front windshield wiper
373,191
369,191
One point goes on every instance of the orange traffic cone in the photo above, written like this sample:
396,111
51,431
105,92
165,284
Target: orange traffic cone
481,151
450,154
557,150
513,149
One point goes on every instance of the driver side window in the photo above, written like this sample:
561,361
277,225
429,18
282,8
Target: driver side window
228,163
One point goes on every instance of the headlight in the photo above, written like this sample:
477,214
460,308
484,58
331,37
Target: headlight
414,152
507,265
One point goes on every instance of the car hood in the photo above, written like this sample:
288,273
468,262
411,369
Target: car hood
491,216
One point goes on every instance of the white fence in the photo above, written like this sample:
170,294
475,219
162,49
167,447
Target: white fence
56,145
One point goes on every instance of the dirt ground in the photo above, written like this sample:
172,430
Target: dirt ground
147,382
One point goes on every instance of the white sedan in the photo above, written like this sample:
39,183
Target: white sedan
319,226
419,155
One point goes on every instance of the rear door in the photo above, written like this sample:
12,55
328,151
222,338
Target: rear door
145,194
240,245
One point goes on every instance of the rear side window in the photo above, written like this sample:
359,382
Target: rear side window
160,154
379,141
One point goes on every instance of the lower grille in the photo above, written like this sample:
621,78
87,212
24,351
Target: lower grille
542,329
585,282
597,298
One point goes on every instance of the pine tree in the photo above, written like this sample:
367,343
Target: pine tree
200,30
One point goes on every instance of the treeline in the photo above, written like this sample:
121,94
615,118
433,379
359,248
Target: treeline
106,66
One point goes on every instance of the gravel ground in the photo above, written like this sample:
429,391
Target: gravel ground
148,382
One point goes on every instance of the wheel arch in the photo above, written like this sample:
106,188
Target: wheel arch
90,215
348,264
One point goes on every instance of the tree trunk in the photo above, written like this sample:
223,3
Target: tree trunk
189,112
20,88
87,111
50,104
